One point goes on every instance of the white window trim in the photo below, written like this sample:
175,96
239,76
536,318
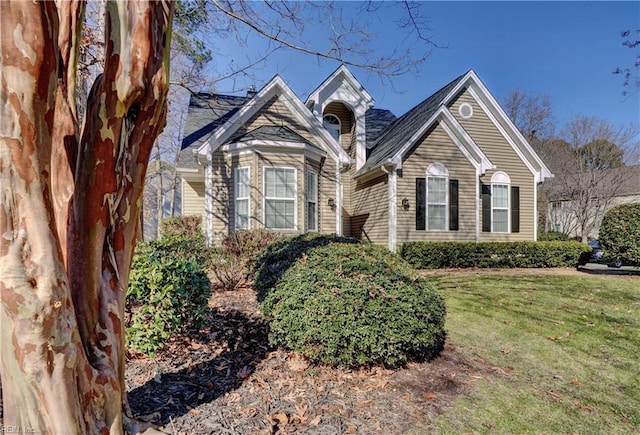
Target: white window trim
236,198
501,179
314,201
333,126
437,170
265,197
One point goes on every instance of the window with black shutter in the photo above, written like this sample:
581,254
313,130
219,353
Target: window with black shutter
453,205
486,208
515,209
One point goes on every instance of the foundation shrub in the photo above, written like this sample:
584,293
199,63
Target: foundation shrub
434,255
168,293
339,302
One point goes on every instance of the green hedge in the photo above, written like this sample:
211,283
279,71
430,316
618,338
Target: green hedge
434,255
339,302
620,234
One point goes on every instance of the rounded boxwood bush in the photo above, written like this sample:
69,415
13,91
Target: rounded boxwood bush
620,233
349,304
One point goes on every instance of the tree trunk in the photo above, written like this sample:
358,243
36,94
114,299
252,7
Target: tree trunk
69,205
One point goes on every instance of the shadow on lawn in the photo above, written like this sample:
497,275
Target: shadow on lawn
216,364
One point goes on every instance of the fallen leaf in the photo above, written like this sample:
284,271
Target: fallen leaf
280,418
429,396
316,421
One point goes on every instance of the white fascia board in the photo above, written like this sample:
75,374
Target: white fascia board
300,112
502,121
347,77
465,142
505,135
397,157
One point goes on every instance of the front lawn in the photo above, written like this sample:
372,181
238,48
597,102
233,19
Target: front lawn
563,352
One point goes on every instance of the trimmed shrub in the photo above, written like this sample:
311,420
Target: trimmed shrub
434,255
620,234
185,226
168,293
343,303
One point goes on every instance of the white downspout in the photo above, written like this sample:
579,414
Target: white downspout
208,199
477,205
339,194
392,207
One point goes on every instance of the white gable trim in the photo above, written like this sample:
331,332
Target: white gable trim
491,107
276,86
473,152
506,135
460,138
344,75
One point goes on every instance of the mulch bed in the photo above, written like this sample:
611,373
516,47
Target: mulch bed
228,380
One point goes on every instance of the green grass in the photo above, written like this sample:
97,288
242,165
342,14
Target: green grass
549,354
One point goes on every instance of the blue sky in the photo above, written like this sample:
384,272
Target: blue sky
566,50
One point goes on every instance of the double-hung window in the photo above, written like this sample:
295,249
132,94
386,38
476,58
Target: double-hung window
332,124
437,182
280,198
242,189
500,185
312,201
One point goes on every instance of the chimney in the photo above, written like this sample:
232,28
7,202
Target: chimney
251,92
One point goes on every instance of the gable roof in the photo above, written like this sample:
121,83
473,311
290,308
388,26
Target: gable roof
406,130
394,139
272,133
206,112
222,129
342,74
376,122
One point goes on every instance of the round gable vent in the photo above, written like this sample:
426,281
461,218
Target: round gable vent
465,110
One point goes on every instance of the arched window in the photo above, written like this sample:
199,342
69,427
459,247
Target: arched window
332,123
500,186
437,183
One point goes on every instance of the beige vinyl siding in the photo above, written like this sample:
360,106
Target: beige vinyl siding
436,146
347,141
499,151
370,207
192,198
326,190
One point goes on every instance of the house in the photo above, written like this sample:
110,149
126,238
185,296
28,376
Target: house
578,201
452,168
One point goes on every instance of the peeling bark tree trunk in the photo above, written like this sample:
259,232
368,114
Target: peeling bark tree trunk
69,205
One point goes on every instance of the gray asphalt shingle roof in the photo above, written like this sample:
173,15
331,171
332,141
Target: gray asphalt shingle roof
206,113
270,132
397,134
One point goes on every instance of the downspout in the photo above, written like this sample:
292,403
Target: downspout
208,199
535,210
392,217
478,205
339,194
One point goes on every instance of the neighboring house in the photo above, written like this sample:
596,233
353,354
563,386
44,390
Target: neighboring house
452,168
577,206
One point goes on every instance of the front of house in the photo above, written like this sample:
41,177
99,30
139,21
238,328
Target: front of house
451,168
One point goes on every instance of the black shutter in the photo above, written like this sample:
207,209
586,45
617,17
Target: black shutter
421,206
453,205
515,209
486,208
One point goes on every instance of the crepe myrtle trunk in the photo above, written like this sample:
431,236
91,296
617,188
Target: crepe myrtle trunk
69,204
